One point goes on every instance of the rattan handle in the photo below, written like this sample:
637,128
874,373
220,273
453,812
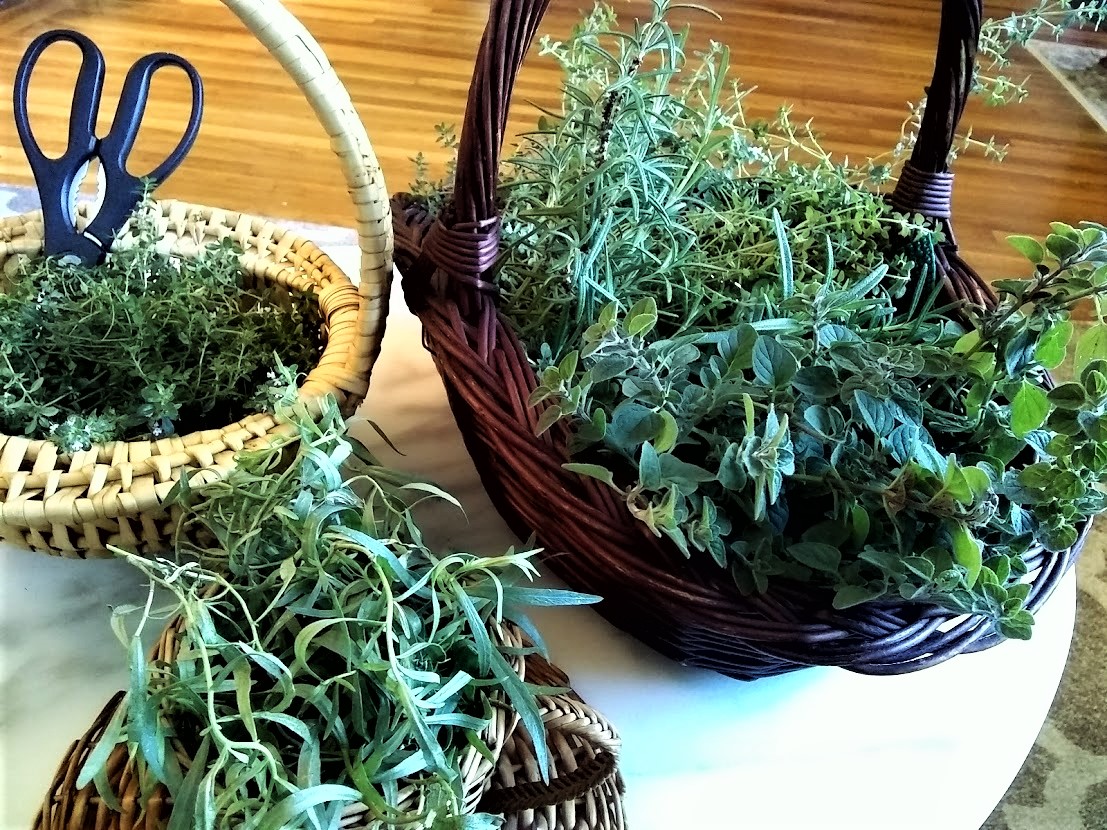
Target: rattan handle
303,59
511,27
925,183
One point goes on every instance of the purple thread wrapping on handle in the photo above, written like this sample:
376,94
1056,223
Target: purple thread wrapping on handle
918,191
466,251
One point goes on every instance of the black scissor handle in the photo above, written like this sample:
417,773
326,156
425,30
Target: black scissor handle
122,190
56,178
86,95
116,146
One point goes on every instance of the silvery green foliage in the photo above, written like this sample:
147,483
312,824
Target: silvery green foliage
834,436
326,655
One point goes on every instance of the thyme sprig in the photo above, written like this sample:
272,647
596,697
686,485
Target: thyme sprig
145,344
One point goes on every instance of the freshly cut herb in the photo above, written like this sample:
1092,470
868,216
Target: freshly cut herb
858,447
745,341
654,180
145,345
326,656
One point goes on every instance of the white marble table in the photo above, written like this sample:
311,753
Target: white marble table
817,749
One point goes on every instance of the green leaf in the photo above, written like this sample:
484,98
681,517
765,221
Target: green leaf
667,436
849,596
832,333
732,473
631,425
1091,345
1029,247
109,739
592,471
967,342
787,268
1067,231
1029,409
967,552
1053,345
608,367
649,468
550,416
818,382
955,482
1070,396
773,364
480,821
523,702
816,556
877,415
859,525
299,803
185,812
1061,246
904,441
568,366
144,726
642,317
977,480
681,472
242,684
1057,539
1017,627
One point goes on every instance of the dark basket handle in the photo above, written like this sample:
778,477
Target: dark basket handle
464,241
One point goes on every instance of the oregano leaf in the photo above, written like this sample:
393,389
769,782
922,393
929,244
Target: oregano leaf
1029,409
773,364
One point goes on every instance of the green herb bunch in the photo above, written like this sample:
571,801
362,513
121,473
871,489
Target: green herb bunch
143,345
835,438
654,182
326,656
653,179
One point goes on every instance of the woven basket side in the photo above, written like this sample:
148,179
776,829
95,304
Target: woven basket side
584,789
112,494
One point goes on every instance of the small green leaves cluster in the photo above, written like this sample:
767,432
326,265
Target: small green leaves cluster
326,656
144,345
835,436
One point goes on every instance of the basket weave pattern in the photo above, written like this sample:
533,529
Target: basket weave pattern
688,610
112,494
584,792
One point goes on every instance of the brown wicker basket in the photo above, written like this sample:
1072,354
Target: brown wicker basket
112,494
584,790
689,612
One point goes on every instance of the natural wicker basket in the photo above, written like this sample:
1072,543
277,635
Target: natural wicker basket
690,612
584,791
76,505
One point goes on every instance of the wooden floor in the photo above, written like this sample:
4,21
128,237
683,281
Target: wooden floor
851,64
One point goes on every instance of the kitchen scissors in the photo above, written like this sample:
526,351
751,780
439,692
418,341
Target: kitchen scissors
59,179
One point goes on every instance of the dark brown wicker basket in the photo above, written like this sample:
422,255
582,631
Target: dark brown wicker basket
691,613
